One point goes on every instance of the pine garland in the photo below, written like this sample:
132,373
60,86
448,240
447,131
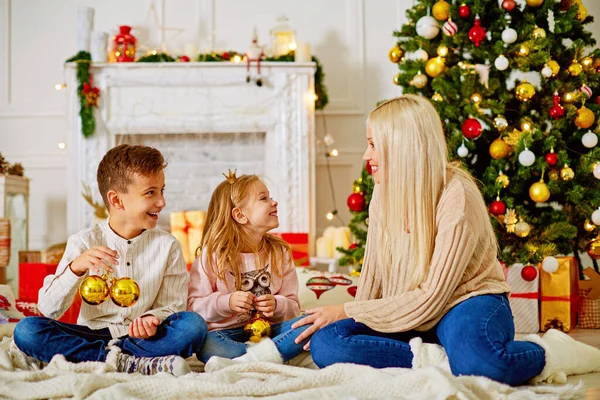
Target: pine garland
86,111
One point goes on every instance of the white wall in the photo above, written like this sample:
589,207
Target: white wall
350,37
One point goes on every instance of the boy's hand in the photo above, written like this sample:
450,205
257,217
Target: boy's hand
143,327
265,304
241,302
95,259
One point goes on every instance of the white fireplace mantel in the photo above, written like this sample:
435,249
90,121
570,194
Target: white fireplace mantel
202,98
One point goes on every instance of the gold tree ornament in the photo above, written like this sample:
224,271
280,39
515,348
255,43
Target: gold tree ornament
524,91
538,33
539,192
566,173
395,54
587,62
231,176
437,97
522,229
95,289
575,68
396,79
502,180
441,10
434,66
535,3
554,67
510,220
419,80
500,123
585,117
499,149
553,175
588,226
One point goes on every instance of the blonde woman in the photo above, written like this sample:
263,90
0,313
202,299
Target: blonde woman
430,268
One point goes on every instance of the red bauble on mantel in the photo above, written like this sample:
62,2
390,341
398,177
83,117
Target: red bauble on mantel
529,273
464,11
368,168
477,32
124,45
509,5
356,202
497,207
471,128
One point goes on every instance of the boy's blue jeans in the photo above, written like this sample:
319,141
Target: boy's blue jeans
477,334
231,343
180,334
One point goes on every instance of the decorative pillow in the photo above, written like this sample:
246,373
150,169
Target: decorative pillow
318,288
7,303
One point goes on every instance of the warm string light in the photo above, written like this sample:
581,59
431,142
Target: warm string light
292,46
523,51
236,59
62,145
60,86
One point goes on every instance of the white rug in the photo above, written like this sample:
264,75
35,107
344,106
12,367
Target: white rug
94,380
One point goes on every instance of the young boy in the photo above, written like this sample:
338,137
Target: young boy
155,334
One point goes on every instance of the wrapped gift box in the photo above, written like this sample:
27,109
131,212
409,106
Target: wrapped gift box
524,300
589,290
299,244
187,227
560,296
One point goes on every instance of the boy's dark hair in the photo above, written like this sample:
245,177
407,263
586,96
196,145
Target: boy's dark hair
119,164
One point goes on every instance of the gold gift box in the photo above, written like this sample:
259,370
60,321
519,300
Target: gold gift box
560,296
187,227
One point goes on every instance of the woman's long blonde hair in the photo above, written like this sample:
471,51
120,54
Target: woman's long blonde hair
225,239
413,160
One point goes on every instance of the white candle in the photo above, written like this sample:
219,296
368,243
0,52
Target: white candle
324,247
99,46
191,50
303,52
341,239
85,25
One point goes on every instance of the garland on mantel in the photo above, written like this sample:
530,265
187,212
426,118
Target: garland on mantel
88,95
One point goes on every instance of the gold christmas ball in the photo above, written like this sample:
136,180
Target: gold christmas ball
522,229
395,54
575,68
553,175
499,149
582,12
538,33
593,248
434,66
587,62
503,180
535,3
124,292
539,192
585,117
524,91
500,123
94,289
553,65
441,10
419,80
567,173
588,226
437,97
442,51
257,327
396,79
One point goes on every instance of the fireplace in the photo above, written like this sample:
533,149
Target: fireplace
205,118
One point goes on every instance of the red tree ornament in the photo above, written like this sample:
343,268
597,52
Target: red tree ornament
529,273
597,101
477,32
551,159
464,11
356,202
509,5
498,207
471,128
556,111
368,168
565,4
352,246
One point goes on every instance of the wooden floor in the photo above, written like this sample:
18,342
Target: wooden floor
591,382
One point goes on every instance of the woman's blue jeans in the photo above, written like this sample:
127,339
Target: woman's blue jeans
477,334
231,343
180,334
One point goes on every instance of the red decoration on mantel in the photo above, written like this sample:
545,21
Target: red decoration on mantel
124,45
477,32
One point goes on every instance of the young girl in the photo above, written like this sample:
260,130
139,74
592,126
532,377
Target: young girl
241,270
430,268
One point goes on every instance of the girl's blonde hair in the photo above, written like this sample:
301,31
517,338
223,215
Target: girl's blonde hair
413,160
225,239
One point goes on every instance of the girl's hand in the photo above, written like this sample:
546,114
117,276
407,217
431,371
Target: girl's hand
241,302
266,305
318,317
143,327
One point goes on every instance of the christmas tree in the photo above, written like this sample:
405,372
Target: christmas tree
514,86
358,203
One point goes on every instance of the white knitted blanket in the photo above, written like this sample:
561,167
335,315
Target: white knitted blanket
20,379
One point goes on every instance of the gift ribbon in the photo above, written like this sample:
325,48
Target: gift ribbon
532,295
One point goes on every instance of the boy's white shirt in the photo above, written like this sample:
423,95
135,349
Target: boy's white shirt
155,262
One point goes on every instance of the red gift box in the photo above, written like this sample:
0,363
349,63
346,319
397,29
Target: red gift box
31,280
299,244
